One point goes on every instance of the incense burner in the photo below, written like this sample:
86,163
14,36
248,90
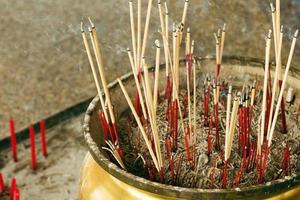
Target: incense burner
101,178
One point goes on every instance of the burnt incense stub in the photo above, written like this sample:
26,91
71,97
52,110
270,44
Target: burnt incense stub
194,171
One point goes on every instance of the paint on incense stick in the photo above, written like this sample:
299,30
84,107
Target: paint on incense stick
43,137
2,185
13,142
13,186
32,145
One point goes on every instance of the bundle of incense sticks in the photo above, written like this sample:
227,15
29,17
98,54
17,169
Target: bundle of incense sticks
181,114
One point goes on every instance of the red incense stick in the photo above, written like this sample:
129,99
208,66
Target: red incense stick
283,118
12,189
43,137
2,186
32,144
224,179
17,194
13,140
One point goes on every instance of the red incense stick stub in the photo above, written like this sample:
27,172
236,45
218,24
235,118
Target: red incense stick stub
2,186
13,140
17,194
12,189
32,144
43,137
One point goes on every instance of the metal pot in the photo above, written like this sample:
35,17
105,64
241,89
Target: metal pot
102,179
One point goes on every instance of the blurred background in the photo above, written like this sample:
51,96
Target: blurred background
44,67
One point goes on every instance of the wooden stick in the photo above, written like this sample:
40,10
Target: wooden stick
157,44
278,27
100,64
288,65
228,111
167,37
188,42
152,113
133,40
148,143
275,83
138,86
184,13
146,28
139,34
87,48
222,42
264,103
233,120
273,10
163,27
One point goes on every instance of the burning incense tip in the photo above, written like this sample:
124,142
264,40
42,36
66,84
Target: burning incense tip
224,27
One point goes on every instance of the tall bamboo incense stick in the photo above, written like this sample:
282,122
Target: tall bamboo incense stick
275,83
153,123
139,34
155,95
97,51
288,65
264,103
222,43
146,28
133,39
87,48
228,111
163,31
233,119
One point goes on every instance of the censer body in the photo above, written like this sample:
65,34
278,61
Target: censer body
102,179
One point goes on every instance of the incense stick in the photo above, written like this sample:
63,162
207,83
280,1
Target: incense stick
275,83
233,120
138,86
157,44
87,48
283,86
222,43
148,144
267,60
146,28
133,40
139,33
